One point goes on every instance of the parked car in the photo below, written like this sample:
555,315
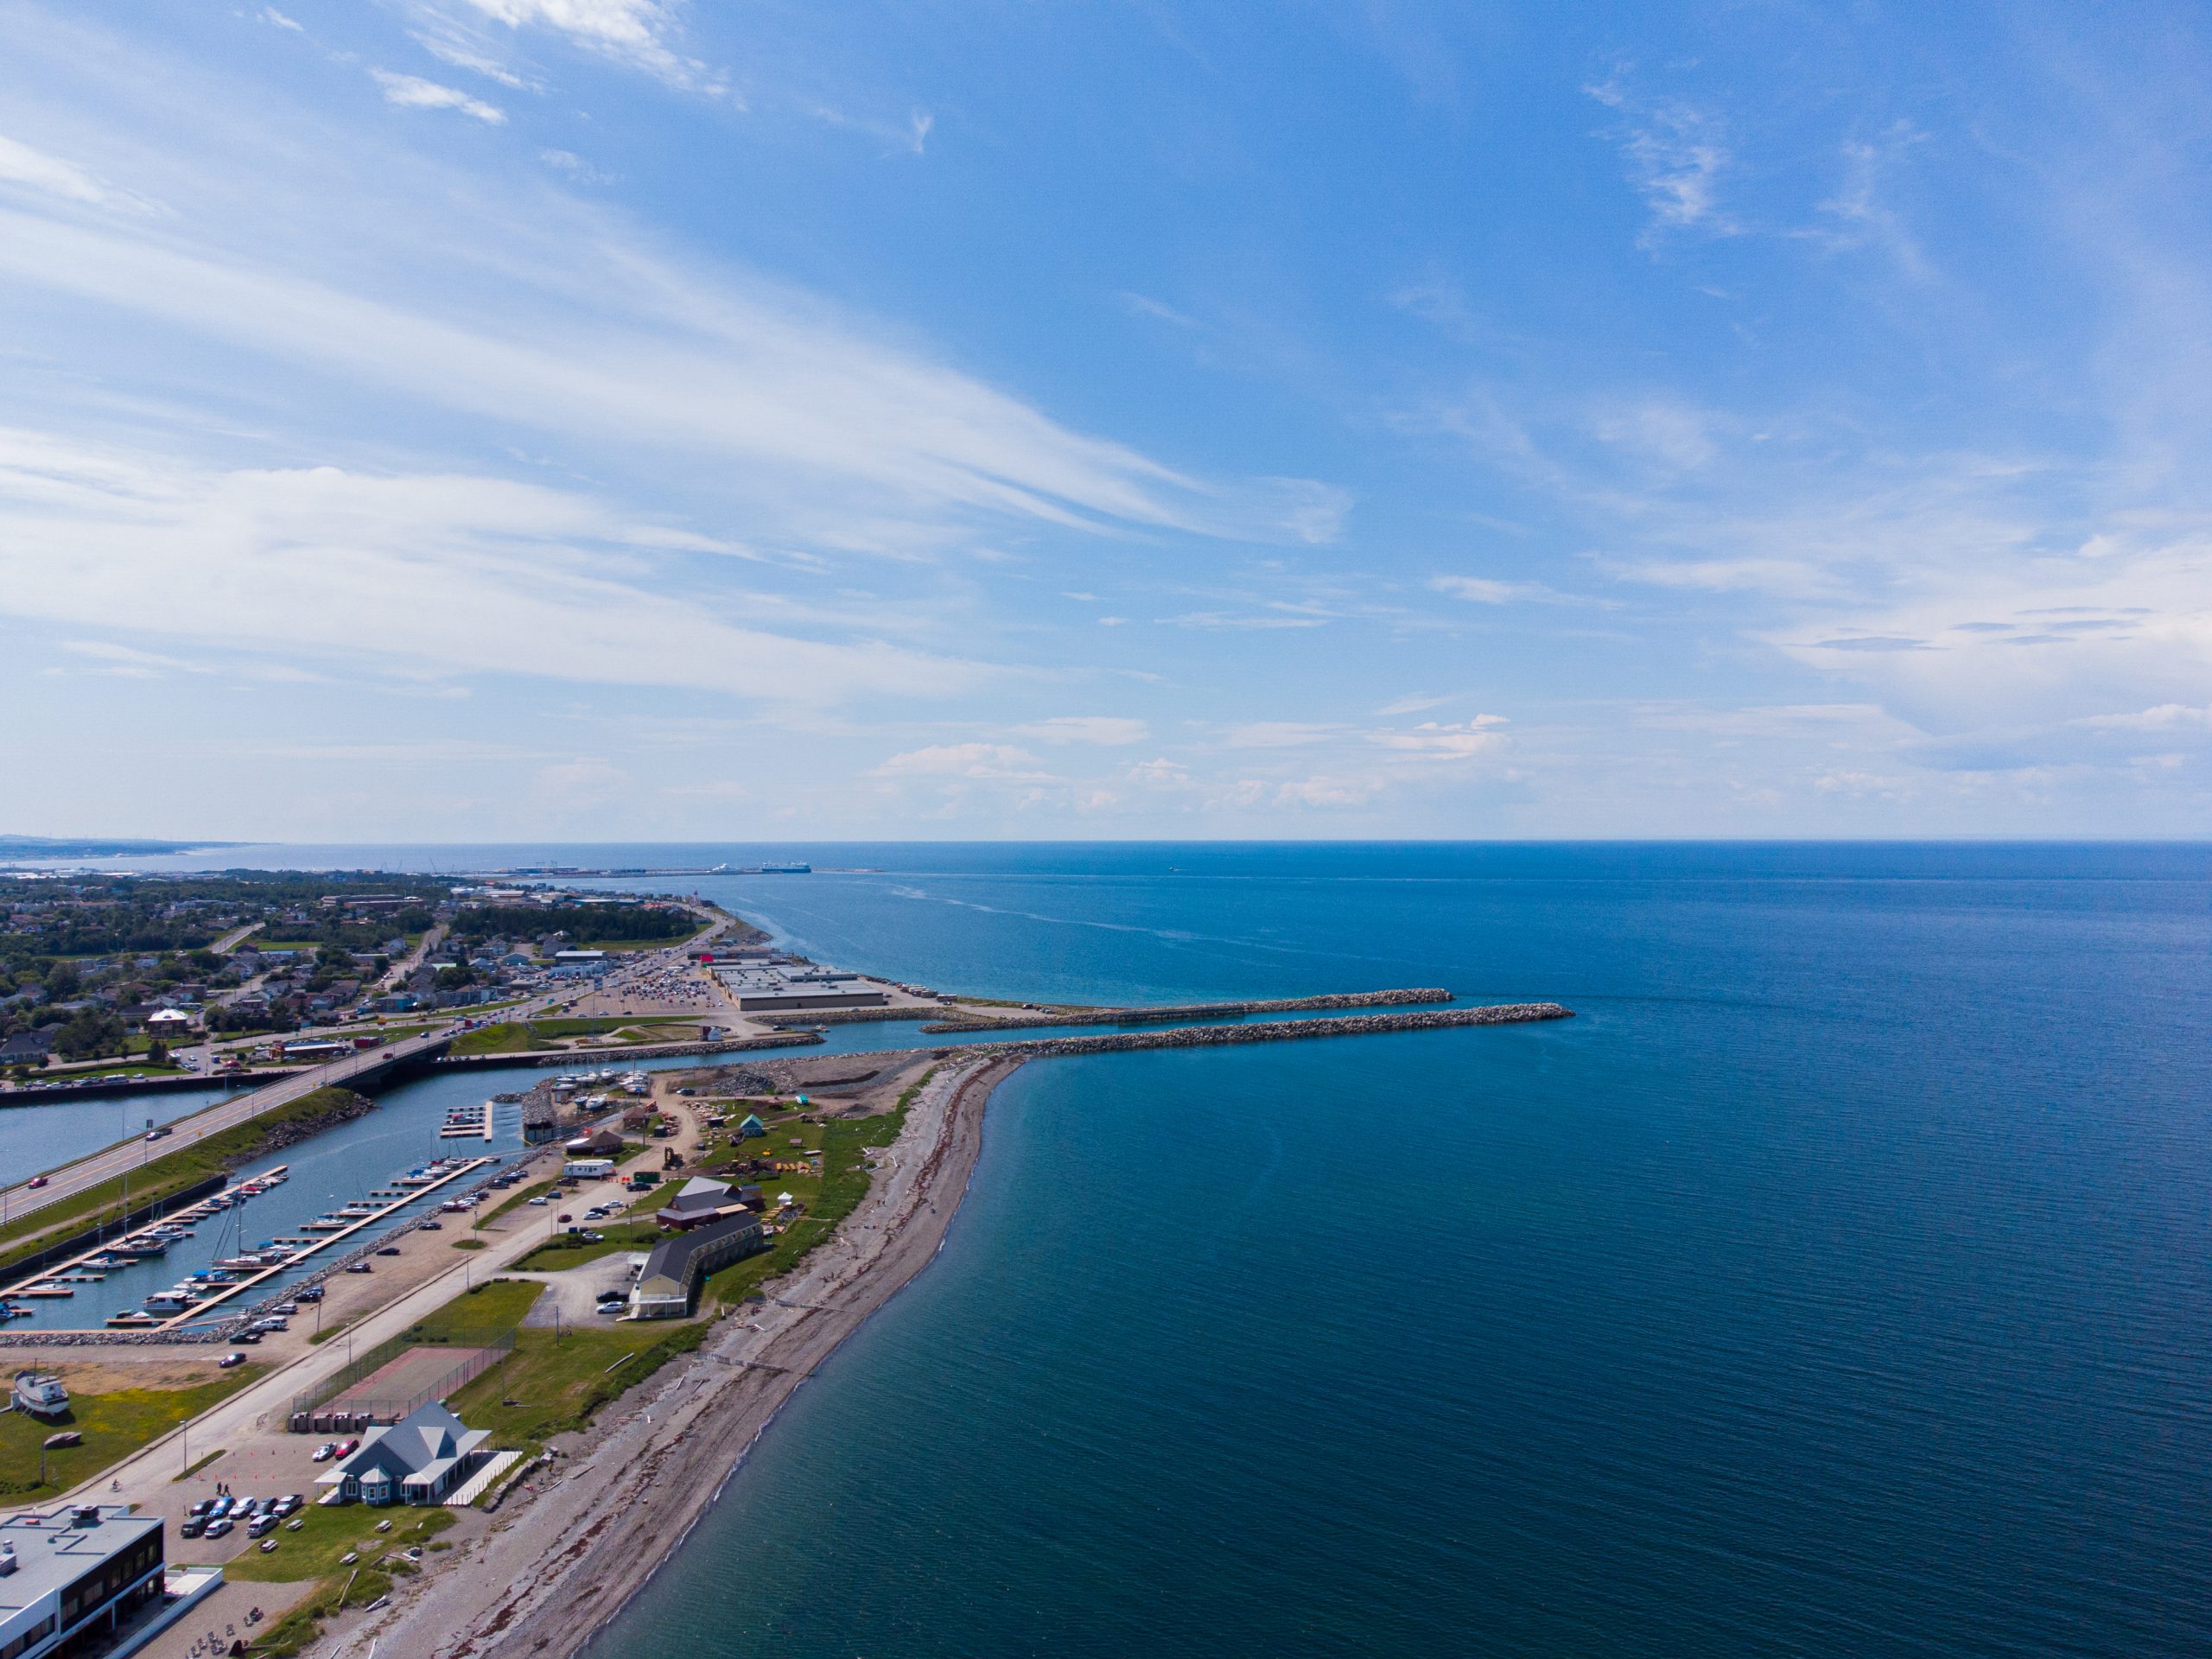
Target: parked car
431,1226
291,1504
324,1453
198,1511
262,1525
248,1335
359,1267
219,1526
541,1200
389,1250
311,1294
228,1361
286,1308
348,1448
191,1526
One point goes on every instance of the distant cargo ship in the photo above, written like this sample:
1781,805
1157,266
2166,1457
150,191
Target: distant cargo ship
787,869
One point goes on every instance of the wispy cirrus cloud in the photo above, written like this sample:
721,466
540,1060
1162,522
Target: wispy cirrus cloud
1676,154
407,568
413,92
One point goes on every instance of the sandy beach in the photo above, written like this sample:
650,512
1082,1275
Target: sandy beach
560,1558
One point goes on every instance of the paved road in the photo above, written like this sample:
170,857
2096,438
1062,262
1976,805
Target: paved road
145,1476
104,1166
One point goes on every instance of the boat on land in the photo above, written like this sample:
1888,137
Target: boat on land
40,1394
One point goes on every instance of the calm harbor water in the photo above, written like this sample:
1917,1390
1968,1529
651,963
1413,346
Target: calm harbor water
1837,1283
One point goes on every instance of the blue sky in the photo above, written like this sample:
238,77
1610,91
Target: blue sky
455,419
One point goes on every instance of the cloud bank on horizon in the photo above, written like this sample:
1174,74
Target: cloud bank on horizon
458,419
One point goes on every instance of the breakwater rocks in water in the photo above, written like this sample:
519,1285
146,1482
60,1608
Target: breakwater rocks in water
340,1106
1168,1015
1285,1031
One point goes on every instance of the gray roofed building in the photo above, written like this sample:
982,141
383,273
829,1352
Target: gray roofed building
698,1202
678,1265
417,1461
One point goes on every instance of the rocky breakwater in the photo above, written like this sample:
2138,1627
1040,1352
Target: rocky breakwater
1285,1031
1169,1014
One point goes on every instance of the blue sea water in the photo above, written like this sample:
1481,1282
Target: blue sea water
1838,1281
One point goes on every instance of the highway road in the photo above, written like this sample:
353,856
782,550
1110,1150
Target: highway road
21,1200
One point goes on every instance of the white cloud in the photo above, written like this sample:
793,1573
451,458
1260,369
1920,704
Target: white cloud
1411,705
998,761
568,161
413,92
1488,590
1433,741
552,318
1278,735
455,574
1230,620
2166,718
270,14
1104,730
1676,154
20,164
1659,429
637,32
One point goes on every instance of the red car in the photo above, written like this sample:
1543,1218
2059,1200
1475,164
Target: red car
37,1181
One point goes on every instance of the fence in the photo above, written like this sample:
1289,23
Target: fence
398,1377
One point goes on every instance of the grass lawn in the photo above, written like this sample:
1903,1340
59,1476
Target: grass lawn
826,1201
114,1424
508,1038
312,1551
555,1380
561,1252
170,1172
520,1196
113,1069
498,1305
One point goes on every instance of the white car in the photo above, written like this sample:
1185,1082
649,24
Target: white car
540,1199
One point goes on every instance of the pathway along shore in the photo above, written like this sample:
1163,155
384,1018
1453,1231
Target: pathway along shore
542,1584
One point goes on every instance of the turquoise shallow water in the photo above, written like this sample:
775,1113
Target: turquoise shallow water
1837,1283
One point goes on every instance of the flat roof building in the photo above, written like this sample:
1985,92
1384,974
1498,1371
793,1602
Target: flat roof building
70,1571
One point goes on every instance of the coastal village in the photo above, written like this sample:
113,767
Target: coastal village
246,1419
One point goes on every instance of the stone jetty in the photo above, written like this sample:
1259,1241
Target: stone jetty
963,1020
1285,1031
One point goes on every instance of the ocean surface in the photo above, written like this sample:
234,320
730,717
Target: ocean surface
1838,1281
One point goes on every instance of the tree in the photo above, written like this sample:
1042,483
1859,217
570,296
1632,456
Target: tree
157,1052
89,1033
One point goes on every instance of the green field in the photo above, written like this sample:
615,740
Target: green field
555,1380
825,1202
112,1068
312,1551
170,1172
518,1196
114,1426
511,1038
